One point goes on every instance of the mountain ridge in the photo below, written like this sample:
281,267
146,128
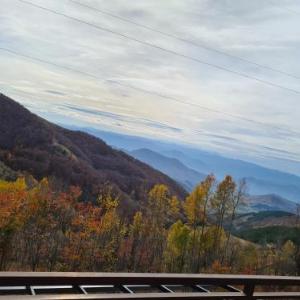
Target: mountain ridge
172,167
31,144
271,202
261,180
180,172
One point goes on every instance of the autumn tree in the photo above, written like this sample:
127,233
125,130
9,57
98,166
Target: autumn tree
47,216
135,238
285,262
222,207
160,209
12,197
235,200
45,229
94,236
195,207
177,246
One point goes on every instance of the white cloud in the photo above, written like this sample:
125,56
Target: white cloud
267,33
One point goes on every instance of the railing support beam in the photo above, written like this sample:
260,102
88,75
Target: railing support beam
249,290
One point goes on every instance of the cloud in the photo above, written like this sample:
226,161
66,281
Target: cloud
124,119
264,32
55,93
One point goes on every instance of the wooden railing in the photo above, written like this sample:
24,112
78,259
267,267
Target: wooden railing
19,285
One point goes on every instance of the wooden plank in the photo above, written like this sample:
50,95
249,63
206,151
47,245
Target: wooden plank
141,296
276,295
57,278
34,281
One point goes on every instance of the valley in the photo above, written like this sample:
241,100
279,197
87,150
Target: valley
74,195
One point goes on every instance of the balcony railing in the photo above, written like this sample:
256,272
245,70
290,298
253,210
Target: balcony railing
40,285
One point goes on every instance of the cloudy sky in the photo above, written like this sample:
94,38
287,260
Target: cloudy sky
89,68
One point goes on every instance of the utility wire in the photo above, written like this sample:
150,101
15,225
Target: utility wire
171,98
287,9
205,132
17,53
184,40
161,48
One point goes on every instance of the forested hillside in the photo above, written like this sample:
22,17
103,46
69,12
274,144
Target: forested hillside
46,230
32,145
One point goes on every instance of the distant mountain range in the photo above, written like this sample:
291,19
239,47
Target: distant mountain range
32,145
269,202
265,219
189,178
260,180
170,166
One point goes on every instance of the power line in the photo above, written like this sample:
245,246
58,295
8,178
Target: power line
161,48
174,99
205,132
17,53
184,40
287,9
201,106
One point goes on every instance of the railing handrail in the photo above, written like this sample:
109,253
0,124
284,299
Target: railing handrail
140,278
121,280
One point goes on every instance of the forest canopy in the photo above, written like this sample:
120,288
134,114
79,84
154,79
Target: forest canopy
42,229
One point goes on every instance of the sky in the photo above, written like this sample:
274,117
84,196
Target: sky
91,69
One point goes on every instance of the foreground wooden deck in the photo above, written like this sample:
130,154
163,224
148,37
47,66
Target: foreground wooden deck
20,285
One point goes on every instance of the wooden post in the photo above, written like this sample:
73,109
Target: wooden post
249,290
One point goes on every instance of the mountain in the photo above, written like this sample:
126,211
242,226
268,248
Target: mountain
275,227
170,166
30,144
189,178
270,203
260,180
265,219
285,188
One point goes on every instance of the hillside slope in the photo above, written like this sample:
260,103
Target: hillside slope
270,203
265,219
260,180
31,144
170,166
